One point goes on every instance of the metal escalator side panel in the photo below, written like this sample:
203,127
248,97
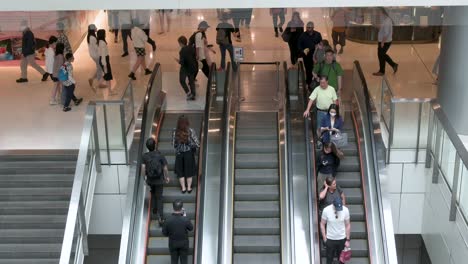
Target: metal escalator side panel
381,241
131,227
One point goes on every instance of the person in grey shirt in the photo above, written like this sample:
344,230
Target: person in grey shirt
385,41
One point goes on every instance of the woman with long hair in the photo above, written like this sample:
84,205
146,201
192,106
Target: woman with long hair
186,144
327,163
93,50
332,123
104,61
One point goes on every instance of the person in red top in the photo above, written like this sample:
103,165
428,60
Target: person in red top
340,23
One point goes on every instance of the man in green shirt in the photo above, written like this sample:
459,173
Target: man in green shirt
323,96
330,68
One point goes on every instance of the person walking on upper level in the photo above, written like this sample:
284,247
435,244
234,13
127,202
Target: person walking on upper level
59,60
104,60
332,69
125,21
93,50
113,23
156,175
62,38
139,40
186,144
323,96
320,50
275,14
337,233
199,41
188,67
307,43
340,23
28,52
385,41
177,228
224,30
69,83
144,18
294,29
49,54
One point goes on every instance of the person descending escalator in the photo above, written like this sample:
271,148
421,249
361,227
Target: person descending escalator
156,174
186,144
327,163
335,227
176,228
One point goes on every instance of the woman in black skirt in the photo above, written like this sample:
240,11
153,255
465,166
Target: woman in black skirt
186,144
104,60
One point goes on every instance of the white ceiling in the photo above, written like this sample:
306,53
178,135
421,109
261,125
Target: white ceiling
42,5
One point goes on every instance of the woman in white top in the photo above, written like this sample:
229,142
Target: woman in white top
139,38
385,41
93,50
49,55
104,61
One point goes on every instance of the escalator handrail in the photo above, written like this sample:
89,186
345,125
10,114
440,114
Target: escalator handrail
126,242
286,109
311,172
202,163
227,101
376,160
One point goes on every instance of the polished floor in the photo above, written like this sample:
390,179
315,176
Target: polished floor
28,121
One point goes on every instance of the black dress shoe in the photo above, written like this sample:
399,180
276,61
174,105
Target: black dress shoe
189,191
125,54
148,71
22,80
184,191
45,76
132,76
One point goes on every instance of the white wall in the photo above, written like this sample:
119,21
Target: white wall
30,5
109,200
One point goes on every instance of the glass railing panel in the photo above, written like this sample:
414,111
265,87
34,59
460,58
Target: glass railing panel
112,132
463,190
386,105
129,106
424,124
447,163
405,126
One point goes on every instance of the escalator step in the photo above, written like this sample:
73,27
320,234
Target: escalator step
256,133
257,226
349,164
160,246
256,193
256,161
359,248
257,209
353,195
31,236
358,230
170,194
253,176
18,251
163,259
356,212
256,146
354,260
156,231
257,258
349,179
256,244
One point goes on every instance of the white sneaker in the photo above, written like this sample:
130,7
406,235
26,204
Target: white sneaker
53,102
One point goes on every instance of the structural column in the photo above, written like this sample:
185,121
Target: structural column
453,68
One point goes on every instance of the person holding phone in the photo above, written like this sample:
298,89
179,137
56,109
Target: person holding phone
177,228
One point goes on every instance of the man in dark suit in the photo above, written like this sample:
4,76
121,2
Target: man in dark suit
176,228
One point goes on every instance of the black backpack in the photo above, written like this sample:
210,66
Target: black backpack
191,41
154,168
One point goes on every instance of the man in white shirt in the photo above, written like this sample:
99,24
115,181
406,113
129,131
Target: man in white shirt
200,42
337,233
385,41
144,17
139,40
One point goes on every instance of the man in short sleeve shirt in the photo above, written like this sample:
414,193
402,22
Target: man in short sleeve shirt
323,96
337,234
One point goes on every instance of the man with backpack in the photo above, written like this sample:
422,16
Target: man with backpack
330,68
156,175
65,75
198,41
223,39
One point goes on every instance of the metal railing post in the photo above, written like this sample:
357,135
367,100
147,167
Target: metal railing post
106,133
453,200
435,169
124,134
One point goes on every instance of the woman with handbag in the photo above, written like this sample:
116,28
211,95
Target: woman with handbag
186,144
291,35
331,127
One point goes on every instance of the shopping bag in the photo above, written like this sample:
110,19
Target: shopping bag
339,139
345,255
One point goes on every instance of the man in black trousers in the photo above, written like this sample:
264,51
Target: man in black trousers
156,175
176,228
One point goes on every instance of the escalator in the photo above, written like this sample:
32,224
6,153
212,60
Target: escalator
142,238
254,215
157,250
358,176
257,232
349,179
